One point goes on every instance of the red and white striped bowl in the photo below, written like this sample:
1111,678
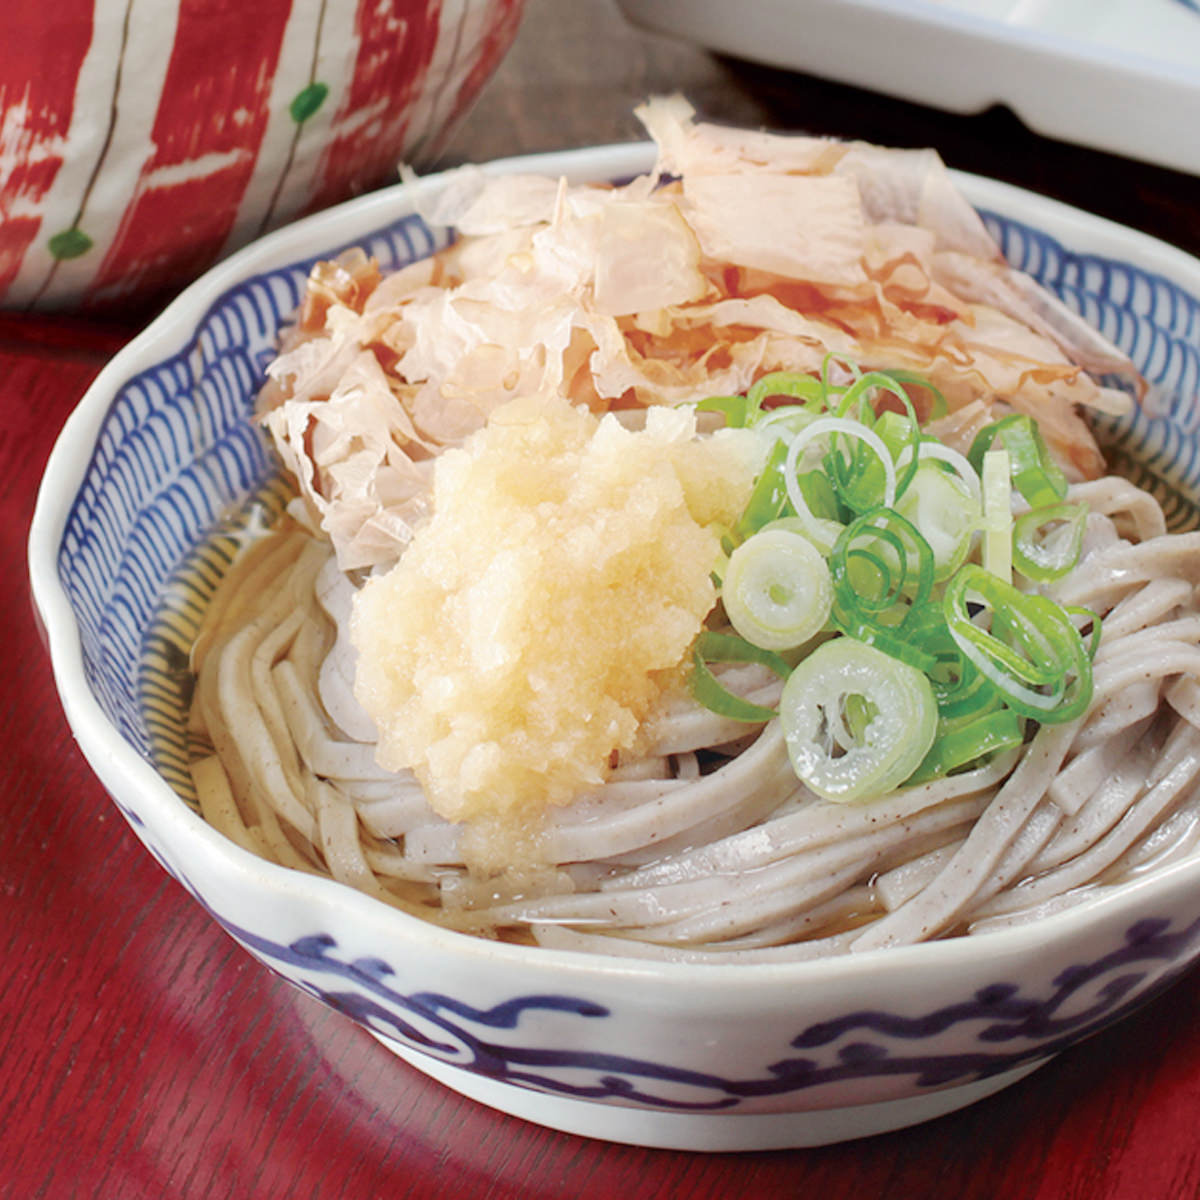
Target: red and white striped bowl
141,140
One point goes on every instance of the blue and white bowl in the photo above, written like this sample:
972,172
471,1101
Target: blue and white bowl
691,1056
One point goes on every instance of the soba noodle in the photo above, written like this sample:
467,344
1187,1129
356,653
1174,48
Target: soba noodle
737,862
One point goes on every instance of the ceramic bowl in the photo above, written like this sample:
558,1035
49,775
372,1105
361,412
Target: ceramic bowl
712,1057
140,142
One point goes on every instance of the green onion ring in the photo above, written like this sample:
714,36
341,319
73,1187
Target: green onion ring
1034,473
985,735
1048,651
1032,557
708,690
882,754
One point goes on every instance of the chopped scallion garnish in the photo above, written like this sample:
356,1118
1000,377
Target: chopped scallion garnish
711,692
894,553
1046,541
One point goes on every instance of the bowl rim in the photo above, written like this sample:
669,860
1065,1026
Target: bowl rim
121,769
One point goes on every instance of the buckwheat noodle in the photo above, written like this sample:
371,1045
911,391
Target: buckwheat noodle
708,849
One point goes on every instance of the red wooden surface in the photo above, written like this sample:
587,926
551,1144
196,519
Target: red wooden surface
143,1054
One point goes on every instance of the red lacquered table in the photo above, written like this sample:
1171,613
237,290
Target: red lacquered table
143,1054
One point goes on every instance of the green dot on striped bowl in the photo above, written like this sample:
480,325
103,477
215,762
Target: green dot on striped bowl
70,243
307,101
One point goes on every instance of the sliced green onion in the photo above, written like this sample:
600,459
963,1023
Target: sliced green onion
726,546
819,495
900,434
1033,655
894,376
897,431
929,451
1016,644
938,406
735,409
828,364
777,591
857,713
895,645
1085,616
784,422
822,427
1034,473
728,647
787,383
931,647
892,381
791,524
1047,541
979,738
997,515
768,496
962,693
945,512
858,478
831,751
881,568
941,661
709,691
862,388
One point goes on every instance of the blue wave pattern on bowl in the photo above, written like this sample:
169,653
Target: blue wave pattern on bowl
1158,325
1001,1028
175,451
1005,1029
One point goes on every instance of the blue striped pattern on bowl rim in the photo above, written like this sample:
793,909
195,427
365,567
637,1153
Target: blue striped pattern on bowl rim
175,453
1157,324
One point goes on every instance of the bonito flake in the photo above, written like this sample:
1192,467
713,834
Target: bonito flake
739,253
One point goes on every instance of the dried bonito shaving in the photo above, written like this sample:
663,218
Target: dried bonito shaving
739,253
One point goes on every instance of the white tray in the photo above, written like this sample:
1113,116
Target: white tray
1117,75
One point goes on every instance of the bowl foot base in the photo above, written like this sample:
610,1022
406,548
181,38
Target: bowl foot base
706,1131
